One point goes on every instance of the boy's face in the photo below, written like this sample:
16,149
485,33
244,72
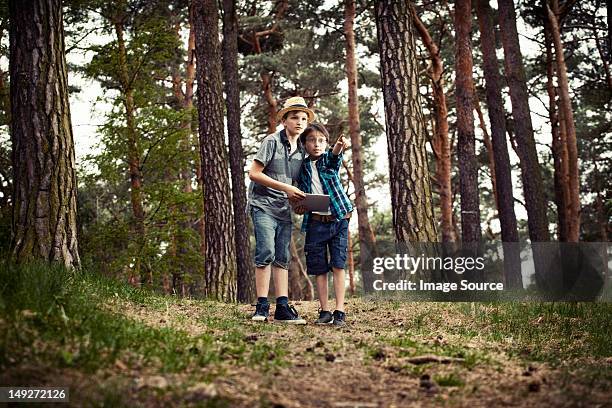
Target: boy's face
315,145
295,122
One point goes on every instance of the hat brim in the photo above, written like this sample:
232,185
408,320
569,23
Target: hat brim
309,112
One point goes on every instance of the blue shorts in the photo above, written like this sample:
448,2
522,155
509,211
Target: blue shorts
272,239
324,236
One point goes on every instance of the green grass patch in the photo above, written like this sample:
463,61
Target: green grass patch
54,316
549,332
448,380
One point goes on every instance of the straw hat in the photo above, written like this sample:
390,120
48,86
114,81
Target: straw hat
296,103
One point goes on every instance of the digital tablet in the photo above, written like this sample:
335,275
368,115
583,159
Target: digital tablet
315,202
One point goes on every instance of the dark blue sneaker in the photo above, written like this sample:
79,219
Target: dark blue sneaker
287,314
325,317
262,311
339,318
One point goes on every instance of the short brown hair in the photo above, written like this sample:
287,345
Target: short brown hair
314,127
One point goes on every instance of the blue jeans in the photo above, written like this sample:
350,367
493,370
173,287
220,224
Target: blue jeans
324,236
272,239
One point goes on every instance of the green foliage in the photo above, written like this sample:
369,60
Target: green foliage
166,149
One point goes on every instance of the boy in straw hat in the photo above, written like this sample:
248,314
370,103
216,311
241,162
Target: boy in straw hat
274,170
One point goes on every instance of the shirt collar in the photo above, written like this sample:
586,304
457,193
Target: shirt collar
285,140
283,137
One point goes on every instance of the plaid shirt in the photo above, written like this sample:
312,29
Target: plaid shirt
328,166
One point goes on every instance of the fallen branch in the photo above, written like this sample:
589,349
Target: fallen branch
429,358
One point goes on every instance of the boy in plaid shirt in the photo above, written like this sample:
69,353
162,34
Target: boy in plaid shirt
326,230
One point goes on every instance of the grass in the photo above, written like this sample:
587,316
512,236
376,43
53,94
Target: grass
54,316
547,331
449,380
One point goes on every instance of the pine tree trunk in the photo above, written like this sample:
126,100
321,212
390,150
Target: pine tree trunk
44,180
440,143
295,288
193,139
245,281
411,199
127,92
300,286
351,264
266,85
184,104
573,221
557,145
6,169
531,175
486,139
5,97
503,172
220,262
466,148
366,242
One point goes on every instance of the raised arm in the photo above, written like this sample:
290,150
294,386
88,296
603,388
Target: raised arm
335,158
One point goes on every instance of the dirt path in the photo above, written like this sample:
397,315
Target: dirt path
370,363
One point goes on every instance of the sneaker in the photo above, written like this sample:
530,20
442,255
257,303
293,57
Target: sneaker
339,318
325,317
287,314
262,311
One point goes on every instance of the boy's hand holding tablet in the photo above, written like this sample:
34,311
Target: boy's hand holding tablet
312,202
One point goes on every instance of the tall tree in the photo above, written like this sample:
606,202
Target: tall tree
126,80
367,241
573,221
220,262
558,147
245,281
411,199
440,142
531,174
45,188
183,103
497,118
160,122
466,143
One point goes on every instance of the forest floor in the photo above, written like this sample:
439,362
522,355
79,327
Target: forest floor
114,345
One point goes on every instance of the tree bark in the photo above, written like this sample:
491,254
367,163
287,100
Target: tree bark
266,85
351,264
184,105
531,175
486,139
558,147
367,244
245,274
503,172
440,142
300,286
220,262
573,221
411,199
466,148
43,159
